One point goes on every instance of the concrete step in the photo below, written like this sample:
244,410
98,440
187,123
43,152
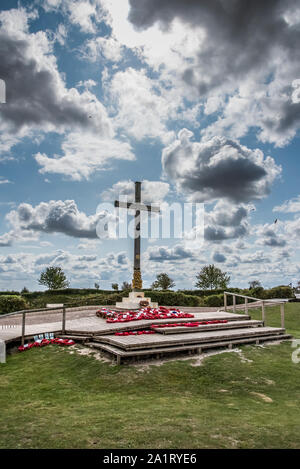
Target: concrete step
209,327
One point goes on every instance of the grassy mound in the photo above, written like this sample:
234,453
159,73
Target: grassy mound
51,398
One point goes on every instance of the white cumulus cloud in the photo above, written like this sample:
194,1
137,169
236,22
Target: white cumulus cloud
218,168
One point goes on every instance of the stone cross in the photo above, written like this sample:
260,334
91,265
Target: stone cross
138,207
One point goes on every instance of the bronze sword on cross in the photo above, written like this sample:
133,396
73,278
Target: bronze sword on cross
138,206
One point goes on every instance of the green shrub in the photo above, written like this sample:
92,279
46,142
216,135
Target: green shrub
214,300
110,299
9,293
65,293
282,291
203,293
76,300
168,298
258,292
240,300
32,295
78,291
12,303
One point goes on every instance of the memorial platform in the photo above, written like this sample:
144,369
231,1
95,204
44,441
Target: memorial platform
236,329
230,329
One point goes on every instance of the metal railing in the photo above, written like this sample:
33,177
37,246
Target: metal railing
263,304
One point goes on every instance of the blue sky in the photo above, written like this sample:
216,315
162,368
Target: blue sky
201,103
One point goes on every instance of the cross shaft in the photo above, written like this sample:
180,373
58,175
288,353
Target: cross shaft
138,207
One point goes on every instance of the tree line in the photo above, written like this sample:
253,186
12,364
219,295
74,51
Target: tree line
210,277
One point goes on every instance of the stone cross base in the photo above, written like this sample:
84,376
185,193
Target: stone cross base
133,301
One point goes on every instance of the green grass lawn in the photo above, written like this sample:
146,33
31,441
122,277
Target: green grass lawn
292,317
50,398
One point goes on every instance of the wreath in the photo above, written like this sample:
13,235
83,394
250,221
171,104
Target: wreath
144,303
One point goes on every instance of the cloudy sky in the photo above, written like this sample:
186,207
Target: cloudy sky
200,100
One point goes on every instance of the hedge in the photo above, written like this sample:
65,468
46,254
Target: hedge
32,295
259,293
12,303
78,291
76,300
282,291
214,300
168,298
161,297
65,292
68,291
91,296
203,293
9,293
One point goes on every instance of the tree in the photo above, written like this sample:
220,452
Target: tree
254,284
97,286
162,282
211,277
25,290
115,286
53,278
126,286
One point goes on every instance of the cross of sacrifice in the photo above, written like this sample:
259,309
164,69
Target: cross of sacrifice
138,207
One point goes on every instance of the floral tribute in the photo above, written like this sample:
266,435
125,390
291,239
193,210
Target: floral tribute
144,313
157,326
134,333
43,342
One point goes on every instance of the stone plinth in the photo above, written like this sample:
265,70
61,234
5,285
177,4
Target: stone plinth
133,301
